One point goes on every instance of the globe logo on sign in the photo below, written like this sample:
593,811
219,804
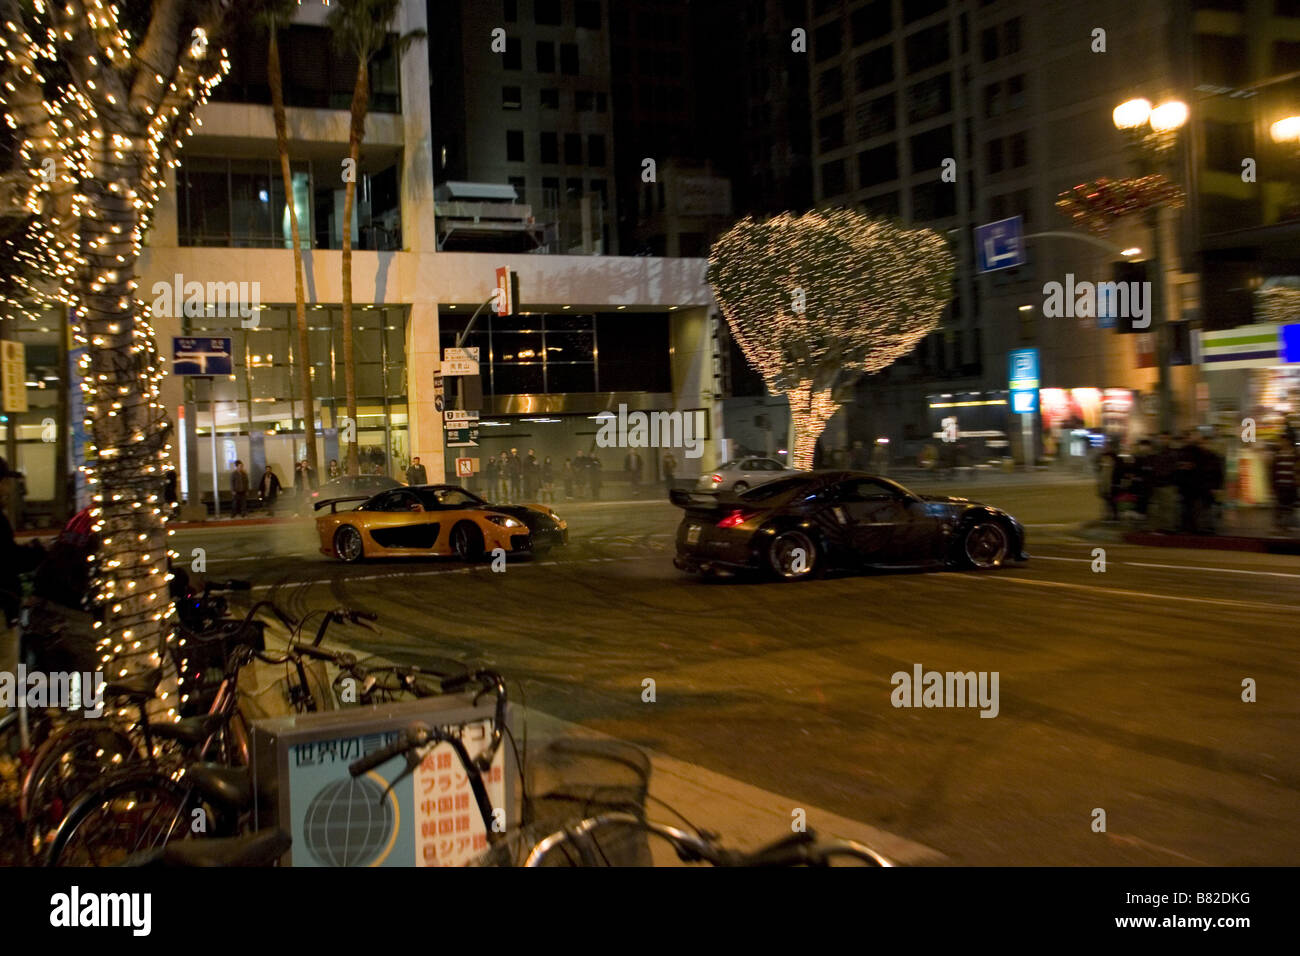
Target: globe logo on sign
349,823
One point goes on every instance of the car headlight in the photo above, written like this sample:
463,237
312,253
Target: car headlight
505,521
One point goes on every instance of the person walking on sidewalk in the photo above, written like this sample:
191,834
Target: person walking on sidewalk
1110,475
239,490
269,488
548,480
567,473
1284,481
670,469
415,474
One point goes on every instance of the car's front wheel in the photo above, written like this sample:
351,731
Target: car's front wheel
467,541
348,545
793,556
740,486
985,545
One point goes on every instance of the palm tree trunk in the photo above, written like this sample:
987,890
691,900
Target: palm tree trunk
304,346
356,131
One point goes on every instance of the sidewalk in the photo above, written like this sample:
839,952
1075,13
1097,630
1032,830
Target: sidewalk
1241,529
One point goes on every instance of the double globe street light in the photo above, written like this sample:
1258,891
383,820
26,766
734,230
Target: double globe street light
1153,132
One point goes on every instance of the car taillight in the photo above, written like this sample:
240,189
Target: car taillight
733,519
717,479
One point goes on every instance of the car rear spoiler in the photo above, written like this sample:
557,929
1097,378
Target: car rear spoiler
701,500
334,502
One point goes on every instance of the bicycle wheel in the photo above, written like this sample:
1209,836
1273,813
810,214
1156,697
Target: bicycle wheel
132,812
70,762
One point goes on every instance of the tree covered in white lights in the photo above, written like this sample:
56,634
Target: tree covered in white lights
825,297
100,97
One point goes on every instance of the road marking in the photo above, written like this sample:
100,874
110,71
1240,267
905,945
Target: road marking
421,574
1154,597
1171,567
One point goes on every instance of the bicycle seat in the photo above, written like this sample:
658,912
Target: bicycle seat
229,787
138,687
189,730
262,848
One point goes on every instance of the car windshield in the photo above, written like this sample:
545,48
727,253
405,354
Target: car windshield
448,498
775,489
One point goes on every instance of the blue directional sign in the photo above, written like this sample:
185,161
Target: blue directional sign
1022,376
201,356
1000,245
1290,336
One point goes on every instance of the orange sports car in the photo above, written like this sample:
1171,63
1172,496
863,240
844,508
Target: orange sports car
435,519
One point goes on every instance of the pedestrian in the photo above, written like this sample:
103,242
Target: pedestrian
503,477
1141,480
593,472
1195,480
567,473
548,480
1163,513
299,479
1110,473
239,490
490,475
670,469
532,469
515,470
1284,480
632,465
332,471
415,473
268,488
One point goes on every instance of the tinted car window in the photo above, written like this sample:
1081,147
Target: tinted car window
865,489
775,489
449,498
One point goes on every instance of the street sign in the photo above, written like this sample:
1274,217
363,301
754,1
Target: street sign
1001,244
438,399
1290,336
462,438
460,418
460,361
1022,375
201,356
465,467
504,295
13,369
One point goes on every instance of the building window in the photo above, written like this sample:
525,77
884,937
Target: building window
511,98
884,206
513,58
1011,36
992,100
1015,92
879,165
929,150
871,22
830,132
833,183
514,146
595,150
550,99
546,13
1019,150
914,10
989,44
828,40
602,102
572,149
830,86
601,189
550,148
995,156
569,59
521,188
510,10
933,200
545,56
587,14
573,187
926,48
929,98
876,117
551,191
584,101
875,68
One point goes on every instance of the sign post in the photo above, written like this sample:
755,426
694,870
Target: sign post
1022,373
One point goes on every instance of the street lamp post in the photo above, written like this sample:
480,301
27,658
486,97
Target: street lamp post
1153,132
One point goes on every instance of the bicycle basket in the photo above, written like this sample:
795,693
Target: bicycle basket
202,659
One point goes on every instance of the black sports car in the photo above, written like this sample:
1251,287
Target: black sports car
800,526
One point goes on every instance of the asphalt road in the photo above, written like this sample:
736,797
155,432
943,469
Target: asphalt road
1119,690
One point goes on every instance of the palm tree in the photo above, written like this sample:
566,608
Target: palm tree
272,14
361,28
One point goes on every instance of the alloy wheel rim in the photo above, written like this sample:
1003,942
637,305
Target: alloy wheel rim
783,554
349,544
986,545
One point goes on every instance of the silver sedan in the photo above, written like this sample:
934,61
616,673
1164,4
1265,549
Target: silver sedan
740,474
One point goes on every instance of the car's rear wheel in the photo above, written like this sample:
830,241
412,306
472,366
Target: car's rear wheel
793,556
348,545
985,545
467,541
740,486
